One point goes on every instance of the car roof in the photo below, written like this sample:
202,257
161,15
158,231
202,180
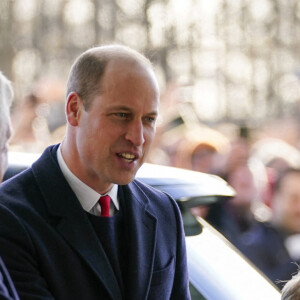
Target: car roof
187,187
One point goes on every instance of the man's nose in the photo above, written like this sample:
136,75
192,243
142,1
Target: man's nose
135,133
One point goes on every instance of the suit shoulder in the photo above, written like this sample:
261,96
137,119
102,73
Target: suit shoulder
149,190
16,183
158,199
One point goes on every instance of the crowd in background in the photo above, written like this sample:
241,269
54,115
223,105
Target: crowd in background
261,164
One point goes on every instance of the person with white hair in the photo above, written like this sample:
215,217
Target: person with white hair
6,97
7,290
291,290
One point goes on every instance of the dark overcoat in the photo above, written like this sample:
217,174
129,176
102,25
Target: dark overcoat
52,251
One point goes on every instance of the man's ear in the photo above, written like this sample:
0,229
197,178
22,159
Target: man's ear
73,108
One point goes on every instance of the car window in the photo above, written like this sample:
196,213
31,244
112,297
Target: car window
218,271
195,294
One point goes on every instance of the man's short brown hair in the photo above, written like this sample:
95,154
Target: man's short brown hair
89,67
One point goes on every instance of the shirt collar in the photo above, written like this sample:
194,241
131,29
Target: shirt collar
87,197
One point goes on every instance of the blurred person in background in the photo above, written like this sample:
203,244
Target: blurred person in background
23,117
207,150
277,156
236,216
38,116
196,156
7,290
274,246
291,289
233,217
198,149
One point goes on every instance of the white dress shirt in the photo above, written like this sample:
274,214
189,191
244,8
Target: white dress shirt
87,197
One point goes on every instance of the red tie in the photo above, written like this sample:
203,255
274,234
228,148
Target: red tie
104,203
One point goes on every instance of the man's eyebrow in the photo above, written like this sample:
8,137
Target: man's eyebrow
126,108
120,107
153,113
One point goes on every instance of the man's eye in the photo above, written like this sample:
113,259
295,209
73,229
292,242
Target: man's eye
121,115
150,119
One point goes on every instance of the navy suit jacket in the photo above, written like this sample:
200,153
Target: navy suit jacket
7,289
52,251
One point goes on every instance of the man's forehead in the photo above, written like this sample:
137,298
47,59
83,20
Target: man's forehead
119,72
128,63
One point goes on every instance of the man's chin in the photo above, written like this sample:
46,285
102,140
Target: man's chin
124,180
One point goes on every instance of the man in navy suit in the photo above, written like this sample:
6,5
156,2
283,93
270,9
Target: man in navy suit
7,289
78,225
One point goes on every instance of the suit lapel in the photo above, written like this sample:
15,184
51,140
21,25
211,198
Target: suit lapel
82,238
142,236
74,225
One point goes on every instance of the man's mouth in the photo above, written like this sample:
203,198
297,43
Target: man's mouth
128,157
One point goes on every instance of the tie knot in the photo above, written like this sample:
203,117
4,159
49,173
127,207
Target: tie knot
104,202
